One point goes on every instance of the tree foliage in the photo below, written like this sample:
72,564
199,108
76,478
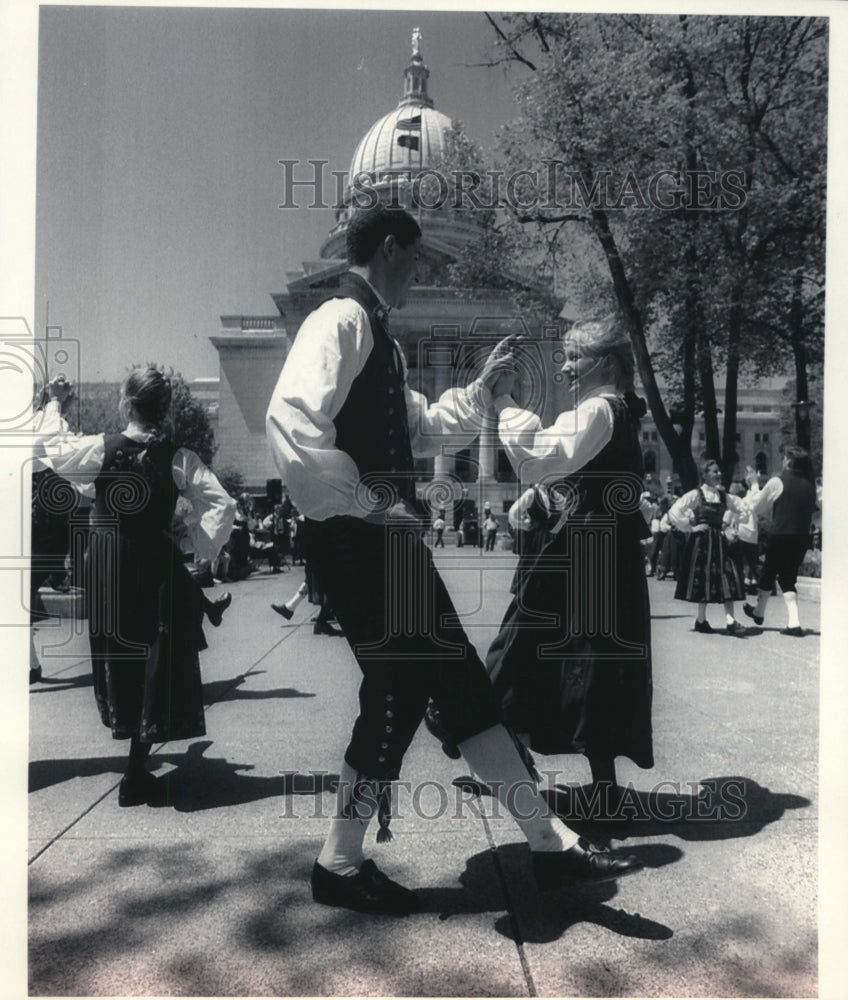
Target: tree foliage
674,169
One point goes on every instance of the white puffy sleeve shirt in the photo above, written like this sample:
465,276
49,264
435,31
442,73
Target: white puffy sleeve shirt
210,521
329,351
539,454
683,507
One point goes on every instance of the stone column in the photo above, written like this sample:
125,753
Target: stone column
443,464
488,453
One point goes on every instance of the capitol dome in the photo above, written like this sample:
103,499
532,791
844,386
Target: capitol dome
380,154
393,152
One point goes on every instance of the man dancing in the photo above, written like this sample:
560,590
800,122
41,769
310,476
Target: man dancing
344,427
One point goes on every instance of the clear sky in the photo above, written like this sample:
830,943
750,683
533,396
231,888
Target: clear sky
159,136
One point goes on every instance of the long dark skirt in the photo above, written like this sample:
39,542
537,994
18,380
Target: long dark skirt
145,617
709,574
571,664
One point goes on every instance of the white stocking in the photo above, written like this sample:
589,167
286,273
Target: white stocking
342,850
493,757
790,598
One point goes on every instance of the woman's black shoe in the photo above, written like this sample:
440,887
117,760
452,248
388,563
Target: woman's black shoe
142,789
704,627
324,628
215,610
34,675
369,891
584,864
734,628
281,609
433,722
749,611
798,632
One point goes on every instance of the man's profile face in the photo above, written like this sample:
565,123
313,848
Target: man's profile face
404,262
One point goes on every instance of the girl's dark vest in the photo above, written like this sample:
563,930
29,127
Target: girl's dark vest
610,483
140,495
793,509
372,425
710,513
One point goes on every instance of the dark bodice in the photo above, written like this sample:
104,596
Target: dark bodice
135,488
610,484
707,512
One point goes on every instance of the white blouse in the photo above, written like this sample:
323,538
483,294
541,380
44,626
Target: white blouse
80,460
329,351
539,454
682,507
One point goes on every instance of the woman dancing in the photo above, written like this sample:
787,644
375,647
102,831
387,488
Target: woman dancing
144,610
572,662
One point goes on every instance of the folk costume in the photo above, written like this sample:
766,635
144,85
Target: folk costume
791,499
709,574
344,426
571,664
144,611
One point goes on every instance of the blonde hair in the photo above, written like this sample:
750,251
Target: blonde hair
606,337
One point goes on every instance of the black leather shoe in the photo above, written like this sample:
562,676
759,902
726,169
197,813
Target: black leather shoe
584,864
281,609
749,611
703,627
215,612
34,675
142,789
324,628
734,628
433,722
369,891
798,632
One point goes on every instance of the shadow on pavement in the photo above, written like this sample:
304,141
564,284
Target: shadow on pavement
199,782
721,809
541,917
44,773
52,685
215,692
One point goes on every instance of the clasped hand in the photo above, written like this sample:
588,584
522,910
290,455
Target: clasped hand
60,389
501,368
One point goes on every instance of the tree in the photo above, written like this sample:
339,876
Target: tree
691,153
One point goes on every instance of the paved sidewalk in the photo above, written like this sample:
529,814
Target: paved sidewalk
210,897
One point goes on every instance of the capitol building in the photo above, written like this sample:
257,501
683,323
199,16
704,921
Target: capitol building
444,332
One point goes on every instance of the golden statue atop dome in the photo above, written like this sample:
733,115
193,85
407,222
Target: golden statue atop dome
416,42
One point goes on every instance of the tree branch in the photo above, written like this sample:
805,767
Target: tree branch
516,55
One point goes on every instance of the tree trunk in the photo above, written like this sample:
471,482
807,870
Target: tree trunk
731,390
799,354
679,450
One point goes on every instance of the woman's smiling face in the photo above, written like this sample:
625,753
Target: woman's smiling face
712,474
582,370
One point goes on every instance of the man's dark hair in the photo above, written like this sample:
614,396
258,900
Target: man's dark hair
368,228
798,460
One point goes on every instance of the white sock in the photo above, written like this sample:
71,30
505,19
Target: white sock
342,850
790,598
493,757
729,616
762,601
302,591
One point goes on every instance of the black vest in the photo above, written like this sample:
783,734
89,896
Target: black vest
372,425
793,509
